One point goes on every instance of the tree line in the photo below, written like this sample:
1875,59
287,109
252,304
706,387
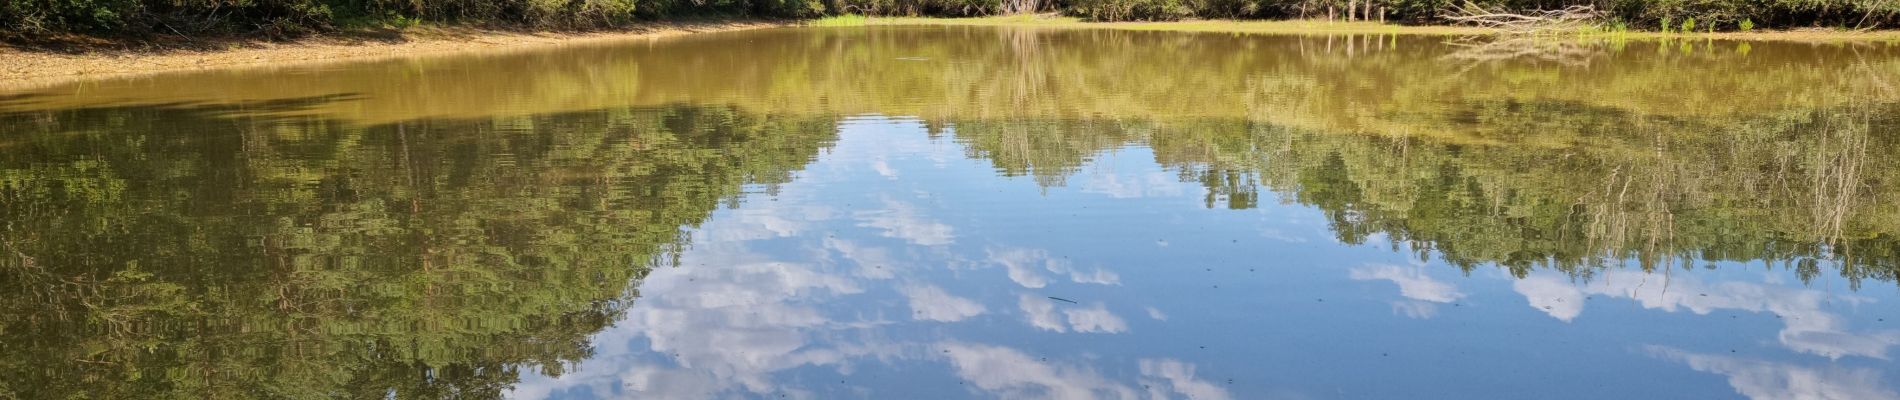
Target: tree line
296,17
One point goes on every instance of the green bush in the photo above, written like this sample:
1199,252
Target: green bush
1129,10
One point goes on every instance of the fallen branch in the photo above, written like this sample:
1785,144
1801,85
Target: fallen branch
1534,22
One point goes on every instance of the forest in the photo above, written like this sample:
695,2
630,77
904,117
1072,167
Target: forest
290,18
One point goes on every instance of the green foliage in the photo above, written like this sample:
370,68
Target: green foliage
1746,25
1128,10
292,17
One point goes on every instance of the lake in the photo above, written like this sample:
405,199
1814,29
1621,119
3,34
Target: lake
967,212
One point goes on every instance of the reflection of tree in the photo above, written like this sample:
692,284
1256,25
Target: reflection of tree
1361,83
1601,185
1049,150
177,251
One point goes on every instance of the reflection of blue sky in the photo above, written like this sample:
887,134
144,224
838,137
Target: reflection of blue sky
896,267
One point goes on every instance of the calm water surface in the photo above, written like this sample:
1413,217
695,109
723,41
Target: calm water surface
909,213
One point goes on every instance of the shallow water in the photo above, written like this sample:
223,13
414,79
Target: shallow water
967,212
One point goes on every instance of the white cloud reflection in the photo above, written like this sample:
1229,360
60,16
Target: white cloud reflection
1768,380
1422,293
1807,326
933,304
1012,374
1043,314
903,220
1025,267
1150,184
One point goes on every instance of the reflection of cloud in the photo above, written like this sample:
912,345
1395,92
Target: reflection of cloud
932,303
1279,235
1021,265
1766,380
1013,375
883,168
1180,377
1096,318
1556,297
763,221
1808,328
1422,290
1415,309
1042,313
719,329
1152,184
872,262
903,221
1413,284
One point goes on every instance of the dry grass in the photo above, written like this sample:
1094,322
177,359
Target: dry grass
24,65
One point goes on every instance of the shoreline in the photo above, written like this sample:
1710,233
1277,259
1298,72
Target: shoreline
24,69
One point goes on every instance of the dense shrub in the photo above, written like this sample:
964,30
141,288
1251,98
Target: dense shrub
1124,10
291,17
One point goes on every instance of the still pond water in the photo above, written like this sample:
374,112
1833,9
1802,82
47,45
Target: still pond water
912,213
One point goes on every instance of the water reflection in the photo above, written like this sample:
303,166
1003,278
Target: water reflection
176,250
999,213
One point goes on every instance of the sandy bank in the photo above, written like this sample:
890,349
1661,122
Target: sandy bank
22,66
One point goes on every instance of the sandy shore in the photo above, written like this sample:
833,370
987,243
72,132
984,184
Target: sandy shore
23,66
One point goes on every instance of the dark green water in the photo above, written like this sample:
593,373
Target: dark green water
904,213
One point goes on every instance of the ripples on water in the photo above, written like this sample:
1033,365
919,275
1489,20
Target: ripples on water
966,212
